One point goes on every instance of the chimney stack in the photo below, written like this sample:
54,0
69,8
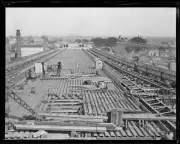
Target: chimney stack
18,43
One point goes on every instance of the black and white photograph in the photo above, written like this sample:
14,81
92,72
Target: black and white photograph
90,73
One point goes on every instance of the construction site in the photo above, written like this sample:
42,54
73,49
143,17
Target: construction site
81,93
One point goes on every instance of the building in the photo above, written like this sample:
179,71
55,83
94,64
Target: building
163,54
18,43
53,44
172,65
173,46
45,42
174,51
167,50
153,52
31,49
38,40
9,56
12,40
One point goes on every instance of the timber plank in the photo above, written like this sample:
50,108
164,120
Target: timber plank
157,129
137,129
74,116
128,133
112,134
153,130
101,135
117,133
94,101
64,111
102,111
147,128
75,119
26,134
132,130
122,132
60,128
94,112
95,134
106,134
16,134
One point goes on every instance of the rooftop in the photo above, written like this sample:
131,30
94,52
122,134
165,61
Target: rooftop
95,103
32,46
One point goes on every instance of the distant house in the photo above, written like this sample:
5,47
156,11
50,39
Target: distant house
12,41
153,52
30,49
173,46
167,50
9,55
173,51
52,42
38,41
165,43
163,53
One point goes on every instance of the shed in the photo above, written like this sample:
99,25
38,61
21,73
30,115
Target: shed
172,65
115,116
30,49
38,68
99,64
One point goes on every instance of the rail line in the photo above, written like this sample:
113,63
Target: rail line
141,69
134,74
147,69
157,107
13,68
82,115
18,73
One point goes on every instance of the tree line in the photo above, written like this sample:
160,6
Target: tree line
138,40
82,41
112,41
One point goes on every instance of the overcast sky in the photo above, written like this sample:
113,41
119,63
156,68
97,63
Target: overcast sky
91,21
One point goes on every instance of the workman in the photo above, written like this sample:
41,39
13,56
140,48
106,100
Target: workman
43,69
59,68
97,72
29,74
87,82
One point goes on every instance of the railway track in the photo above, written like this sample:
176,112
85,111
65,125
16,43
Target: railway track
15,68
21,73
132,73
18,73
150,77
151,71
97,103
153,104
24,61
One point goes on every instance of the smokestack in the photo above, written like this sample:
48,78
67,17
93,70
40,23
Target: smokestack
18,43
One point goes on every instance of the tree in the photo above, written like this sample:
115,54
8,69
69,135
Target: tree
98,41
78,40
138,40
164,43
85,40
128,50
119,38
111,41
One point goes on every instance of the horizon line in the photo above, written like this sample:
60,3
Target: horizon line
91,36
